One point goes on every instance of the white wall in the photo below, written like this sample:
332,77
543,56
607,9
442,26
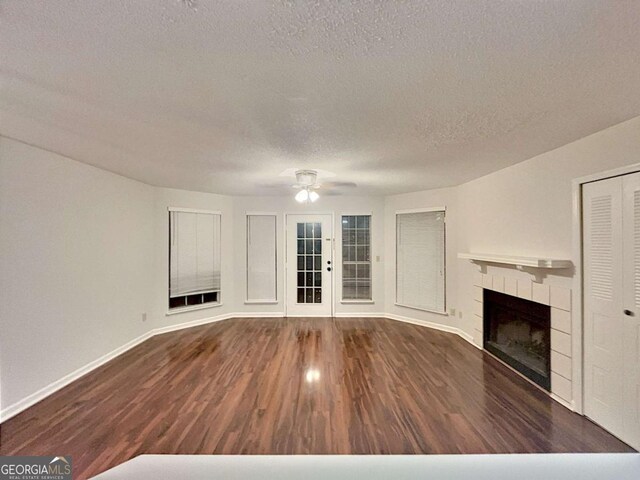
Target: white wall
526,209
338,206
76,253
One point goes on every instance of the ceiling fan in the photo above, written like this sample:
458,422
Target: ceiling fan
310,181
307,182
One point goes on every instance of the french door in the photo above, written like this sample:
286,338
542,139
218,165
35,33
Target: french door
611,250
309,275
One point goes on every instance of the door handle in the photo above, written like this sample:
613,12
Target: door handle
328,269
629,313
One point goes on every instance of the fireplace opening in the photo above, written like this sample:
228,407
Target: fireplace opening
518,332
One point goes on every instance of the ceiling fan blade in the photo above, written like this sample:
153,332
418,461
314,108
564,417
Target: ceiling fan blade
278,185
338,184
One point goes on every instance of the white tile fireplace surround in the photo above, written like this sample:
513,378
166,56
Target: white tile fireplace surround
559,299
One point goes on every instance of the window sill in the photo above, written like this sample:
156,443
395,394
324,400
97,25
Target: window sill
175,311
437,312
261,302
357,302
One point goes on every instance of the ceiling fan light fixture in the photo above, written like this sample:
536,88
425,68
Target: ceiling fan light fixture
306,196
306,182
302,196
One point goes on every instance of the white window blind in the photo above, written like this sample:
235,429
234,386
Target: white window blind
194,253
356,257
261,258
420,260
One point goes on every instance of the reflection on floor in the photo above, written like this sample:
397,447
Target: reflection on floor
299,386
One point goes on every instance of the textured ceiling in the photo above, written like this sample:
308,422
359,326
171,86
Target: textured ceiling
395,96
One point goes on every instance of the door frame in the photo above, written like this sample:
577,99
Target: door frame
332,253
577,291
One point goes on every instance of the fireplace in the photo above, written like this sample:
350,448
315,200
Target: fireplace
518,332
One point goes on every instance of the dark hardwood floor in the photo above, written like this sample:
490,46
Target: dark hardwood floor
297,386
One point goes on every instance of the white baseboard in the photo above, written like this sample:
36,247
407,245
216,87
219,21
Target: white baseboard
424,323
436,326
192,323
258,315
41,394
16,408
469,338
217,318
563,402
360,315
21,405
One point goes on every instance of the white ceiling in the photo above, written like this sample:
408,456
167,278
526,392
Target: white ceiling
396,96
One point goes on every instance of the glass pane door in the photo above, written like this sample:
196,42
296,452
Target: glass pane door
309,265
309,269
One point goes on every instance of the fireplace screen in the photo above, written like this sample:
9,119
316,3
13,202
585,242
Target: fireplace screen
518,332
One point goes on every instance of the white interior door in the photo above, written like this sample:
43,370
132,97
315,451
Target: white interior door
611,243
631,313
309,265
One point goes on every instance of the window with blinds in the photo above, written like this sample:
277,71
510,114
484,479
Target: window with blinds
261,258
356,257
420,260
194,258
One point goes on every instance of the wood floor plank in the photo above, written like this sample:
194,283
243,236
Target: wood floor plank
299,386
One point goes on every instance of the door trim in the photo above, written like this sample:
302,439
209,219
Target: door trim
286,262
577,300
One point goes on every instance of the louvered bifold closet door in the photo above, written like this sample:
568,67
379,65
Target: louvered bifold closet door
603,299
603,303
631,320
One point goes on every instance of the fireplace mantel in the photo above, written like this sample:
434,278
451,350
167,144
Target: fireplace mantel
518,262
